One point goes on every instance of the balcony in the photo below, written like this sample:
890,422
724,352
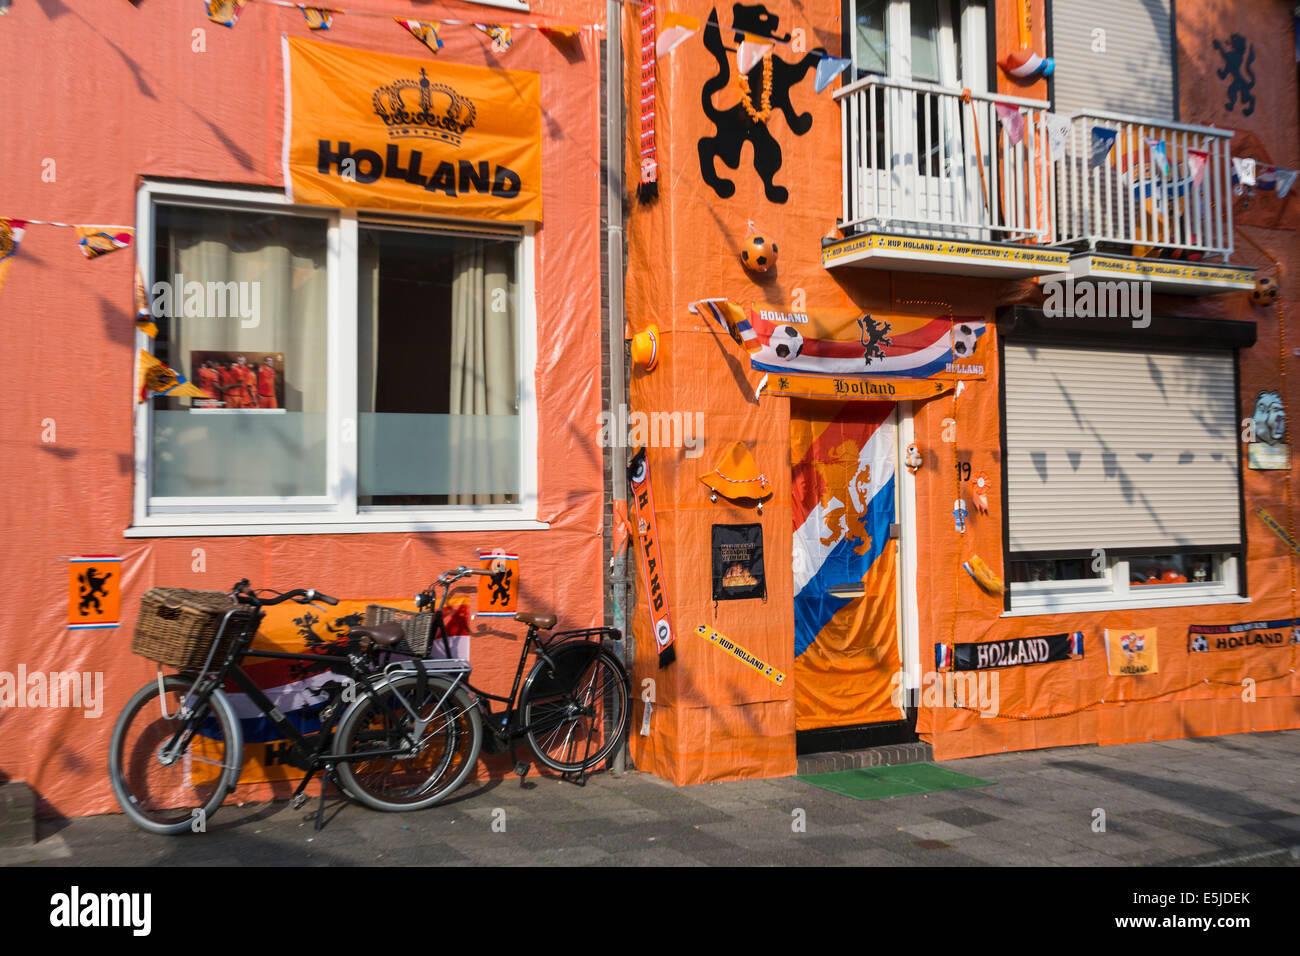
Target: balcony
931,183
1136,215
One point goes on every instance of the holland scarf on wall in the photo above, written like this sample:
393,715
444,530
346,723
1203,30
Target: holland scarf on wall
651,562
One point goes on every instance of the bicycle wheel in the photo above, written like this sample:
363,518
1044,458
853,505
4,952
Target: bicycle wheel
174,790
428,769
576,713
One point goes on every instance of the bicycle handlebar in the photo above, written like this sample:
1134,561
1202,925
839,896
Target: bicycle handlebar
243,593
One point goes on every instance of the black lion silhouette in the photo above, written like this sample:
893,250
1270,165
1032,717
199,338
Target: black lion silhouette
735,126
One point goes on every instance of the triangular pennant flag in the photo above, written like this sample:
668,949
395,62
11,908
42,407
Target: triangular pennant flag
501,38
225,12
829,67
1266,177
1196,161
318,18
143,314
1102,141
751,50
1159,156
11,233
1013,121
101,240
426,31
1058,128
1285,179
1243,171
677,29
159,379
560,33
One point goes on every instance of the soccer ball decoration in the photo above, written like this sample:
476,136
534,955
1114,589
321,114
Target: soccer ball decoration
963,341
786,342
1265,291
758,253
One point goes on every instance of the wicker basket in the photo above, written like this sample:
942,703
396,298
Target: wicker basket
417,624
177,626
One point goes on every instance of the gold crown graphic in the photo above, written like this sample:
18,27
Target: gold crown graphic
441,112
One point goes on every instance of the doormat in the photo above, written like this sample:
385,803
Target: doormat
874,783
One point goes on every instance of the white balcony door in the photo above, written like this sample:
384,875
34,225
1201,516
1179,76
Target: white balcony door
918,167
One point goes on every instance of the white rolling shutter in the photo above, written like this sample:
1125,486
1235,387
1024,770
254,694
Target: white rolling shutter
1120,449
1134,74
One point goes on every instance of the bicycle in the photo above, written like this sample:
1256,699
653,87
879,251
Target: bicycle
572,708
408,738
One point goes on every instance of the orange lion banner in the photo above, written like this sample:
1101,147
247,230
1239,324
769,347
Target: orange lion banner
375,131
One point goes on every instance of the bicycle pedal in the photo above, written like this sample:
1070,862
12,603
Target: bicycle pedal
298,800
521,768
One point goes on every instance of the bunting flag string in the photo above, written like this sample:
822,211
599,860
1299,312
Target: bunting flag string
426,31
499,34
1013,121
318,18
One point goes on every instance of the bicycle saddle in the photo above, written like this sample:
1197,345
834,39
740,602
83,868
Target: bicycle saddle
543,622
381,634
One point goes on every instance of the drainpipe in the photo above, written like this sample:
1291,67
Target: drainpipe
614,337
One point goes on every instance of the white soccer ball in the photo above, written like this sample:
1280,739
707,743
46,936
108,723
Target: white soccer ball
964,338
786,342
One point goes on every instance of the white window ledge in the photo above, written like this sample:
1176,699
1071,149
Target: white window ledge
468,524
1170,602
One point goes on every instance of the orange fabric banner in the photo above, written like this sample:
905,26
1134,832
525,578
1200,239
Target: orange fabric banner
370,130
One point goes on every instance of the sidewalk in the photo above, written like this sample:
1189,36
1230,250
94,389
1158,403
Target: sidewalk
1211,801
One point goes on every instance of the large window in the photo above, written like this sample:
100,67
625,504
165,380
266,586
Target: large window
359,373
1123,477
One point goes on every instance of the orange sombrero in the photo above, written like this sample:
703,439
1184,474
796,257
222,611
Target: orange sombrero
736,475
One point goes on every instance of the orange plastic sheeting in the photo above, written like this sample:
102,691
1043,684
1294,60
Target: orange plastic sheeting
846,648
66,408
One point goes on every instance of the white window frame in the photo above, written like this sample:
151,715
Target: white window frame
1112,591
336,511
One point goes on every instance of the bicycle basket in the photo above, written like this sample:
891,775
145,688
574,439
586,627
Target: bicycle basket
177,626
418,626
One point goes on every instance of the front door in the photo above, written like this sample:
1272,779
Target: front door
844,485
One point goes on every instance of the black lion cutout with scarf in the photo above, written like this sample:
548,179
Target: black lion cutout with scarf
734,126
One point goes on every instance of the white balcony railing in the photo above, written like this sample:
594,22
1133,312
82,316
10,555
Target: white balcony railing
1130,198
927,160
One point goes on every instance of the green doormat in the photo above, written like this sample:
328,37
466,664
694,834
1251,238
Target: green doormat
873,783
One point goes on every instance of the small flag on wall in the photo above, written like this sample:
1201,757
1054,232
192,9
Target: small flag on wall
94,591
143,314
224,12
101,240
1013,121
159,379
1159,157
561,33
829,67
318,18
498,596
11,233
500,35
1103,140
1243,171
1285,179
426,31
677,29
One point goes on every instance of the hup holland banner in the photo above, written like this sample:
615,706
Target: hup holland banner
371,130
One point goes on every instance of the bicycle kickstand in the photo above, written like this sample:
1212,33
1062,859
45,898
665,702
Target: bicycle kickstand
320,806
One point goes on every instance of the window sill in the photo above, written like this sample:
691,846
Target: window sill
269,526
1129,605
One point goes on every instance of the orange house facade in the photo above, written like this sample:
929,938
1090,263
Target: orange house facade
1012,392
377,264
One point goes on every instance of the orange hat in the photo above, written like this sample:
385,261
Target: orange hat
645,347
736,475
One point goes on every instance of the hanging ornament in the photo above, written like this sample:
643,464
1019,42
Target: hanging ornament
984,575
1265,291
645,348
980,493
913,458
959,515
758,253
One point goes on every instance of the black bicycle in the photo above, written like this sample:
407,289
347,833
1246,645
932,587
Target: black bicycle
396,732
572,708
